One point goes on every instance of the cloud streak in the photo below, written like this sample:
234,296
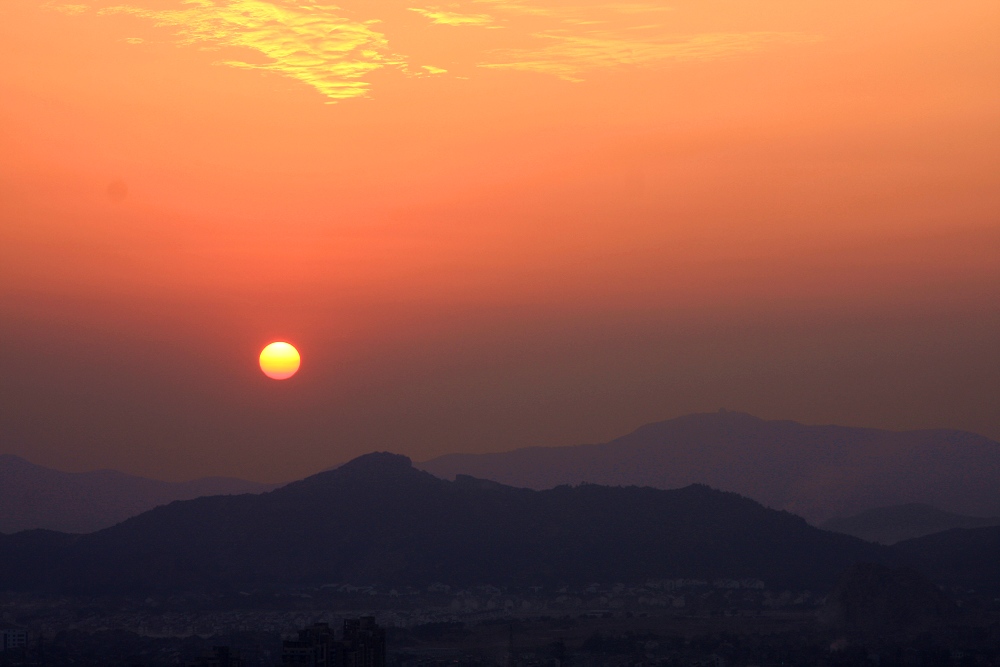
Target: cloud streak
441,17
569,56
71,10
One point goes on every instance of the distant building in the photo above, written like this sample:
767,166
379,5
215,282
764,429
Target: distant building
365,643
12,639
361,645
219,656
316,647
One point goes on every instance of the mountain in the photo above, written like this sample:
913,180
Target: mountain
817,472
34,497
965,558
888,525
377,519
874,598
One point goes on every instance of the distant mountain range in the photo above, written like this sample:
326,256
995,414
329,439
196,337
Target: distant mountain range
818,472
32,496
882,486
889,525
377,519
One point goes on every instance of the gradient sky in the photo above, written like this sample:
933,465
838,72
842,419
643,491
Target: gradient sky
488,223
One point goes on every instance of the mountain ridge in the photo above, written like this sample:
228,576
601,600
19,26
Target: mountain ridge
819,472
889,525
378,519
36,497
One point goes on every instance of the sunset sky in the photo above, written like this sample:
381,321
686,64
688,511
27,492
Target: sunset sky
488,224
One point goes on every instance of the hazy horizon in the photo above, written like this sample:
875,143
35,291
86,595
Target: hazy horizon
324,467
489,225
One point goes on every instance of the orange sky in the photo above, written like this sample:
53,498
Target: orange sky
488,223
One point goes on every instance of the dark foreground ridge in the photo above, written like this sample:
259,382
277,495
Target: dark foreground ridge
378,519
877,599
959,558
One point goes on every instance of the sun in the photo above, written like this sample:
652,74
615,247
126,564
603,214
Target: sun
279,360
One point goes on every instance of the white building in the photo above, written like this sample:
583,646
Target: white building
13,638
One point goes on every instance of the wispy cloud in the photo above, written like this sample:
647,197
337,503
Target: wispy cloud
442,17
638,8
569,56
574,13
524,8
332,50
315,44
72,10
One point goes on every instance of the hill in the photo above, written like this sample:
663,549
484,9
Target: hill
963,558
817,472
377,519
888,525
35,497
878,599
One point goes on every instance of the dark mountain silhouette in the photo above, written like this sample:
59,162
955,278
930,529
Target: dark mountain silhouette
35,497
967,558
378,519
815,471
875,598
888,525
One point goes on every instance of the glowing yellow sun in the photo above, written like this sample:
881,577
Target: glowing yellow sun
279,361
